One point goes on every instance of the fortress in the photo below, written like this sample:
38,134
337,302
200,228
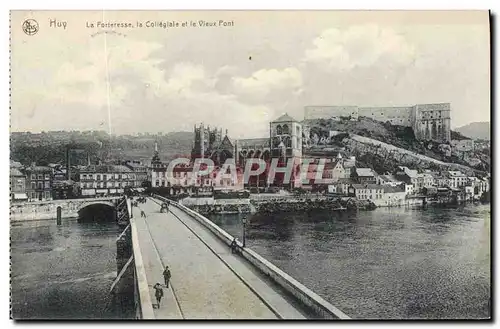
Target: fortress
428,121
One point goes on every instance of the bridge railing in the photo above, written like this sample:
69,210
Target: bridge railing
306,296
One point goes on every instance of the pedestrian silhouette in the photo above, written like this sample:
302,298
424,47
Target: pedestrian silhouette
158,293
166,276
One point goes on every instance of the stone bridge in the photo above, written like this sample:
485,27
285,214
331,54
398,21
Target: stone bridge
208,281
48,209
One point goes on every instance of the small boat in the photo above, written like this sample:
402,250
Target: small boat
339,208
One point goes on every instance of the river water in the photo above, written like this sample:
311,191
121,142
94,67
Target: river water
383,264
63,272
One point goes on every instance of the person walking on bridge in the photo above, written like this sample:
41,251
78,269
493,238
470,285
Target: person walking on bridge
143,214
158,293
166,276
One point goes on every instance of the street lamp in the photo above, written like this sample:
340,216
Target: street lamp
244,221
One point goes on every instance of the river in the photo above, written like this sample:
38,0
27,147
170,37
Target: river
382,264
64,272
394,263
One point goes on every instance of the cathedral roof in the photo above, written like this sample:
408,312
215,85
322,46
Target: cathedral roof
285,118
253,142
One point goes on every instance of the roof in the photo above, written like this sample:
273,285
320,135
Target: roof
365,172
106,169
253,142
285,118
393,189
15,172
412,173
455,173
39,168
388,178
345,180
135,165
368,186
15,164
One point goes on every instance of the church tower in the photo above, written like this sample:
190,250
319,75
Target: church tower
285,134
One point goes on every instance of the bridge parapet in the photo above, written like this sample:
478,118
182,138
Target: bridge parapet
308,298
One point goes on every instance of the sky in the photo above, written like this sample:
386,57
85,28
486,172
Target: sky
242,73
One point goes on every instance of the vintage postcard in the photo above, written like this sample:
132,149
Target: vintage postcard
250,165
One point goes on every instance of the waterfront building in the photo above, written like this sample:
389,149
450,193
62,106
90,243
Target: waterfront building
457,178
39,182
408,176
17,185
140,170
392,196
101,180
424,180
372,192
409,189
343,184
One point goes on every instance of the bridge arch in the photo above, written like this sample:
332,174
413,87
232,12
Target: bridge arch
98,211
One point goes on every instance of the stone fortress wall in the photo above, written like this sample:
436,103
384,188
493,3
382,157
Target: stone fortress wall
428,121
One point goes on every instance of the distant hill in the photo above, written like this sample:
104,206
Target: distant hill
476,130
49,147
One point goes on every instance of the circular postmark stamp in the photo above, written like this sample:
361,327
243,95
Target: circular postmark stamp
30,26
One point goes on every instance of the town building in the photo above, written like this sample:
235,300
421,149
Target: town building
408,176
372,192
388,179
140,170
393,196
104,180
39,182
364,176
157,171
17,185
456,178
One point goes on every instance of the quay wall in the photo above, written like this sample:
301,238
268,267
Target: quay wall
43,210
307,297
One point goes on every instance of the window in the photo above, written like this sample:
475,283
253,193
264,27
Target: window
98,177
104,177
119,176
163,183
47,195
279,131
33,195
33,185
47,176
286,130
40,176
33,176
47,185
157,183
84,176
40,185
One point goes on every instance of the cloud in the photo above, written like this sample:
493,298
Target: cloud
358,46
264,81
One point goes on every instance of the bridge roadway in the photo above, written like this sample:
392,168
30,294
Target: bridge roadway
208,281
